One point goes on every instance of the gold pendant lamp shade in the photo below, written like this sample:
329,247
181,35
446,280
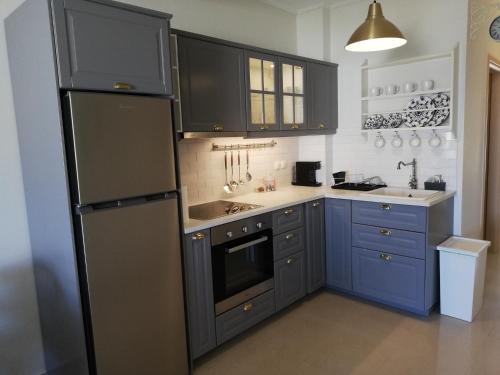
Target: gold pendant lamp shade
376,33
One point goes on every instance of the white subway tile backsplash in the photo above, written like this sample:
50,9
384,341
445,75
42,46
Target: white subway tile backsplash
202,170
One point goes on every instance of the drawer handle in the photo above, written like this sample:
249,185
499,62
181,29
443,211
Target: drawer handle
247,307
218,128
289,211
289,236
385,257
290,260
316,204
122,86
198,236
385,232
386,206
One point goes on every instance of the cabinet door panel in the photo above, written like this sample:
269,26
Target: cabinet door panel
315,245
105,47
322,106
199,290
393,279
338,243
293,78
212,86
289,280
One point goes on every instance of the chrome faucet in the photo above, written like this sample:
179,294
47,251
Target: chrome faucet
413,177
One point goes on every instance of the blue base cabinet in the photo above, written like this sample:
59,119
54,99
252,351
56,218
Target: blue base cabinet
338,244
386,252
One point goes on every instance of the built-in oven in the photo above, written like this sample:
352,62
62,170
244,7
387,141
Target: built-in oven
242,261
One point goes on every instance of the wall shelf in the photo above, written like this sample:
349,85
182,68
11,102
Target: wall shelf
405,95
408,111
406,129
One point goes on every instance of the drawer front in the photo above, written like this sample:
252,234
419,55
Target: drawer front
289,280
395,216
392,279
288,218
288,243
395,241
244,316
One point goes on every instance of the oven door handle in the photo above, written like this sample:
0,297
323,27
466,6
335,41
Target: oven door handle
245,245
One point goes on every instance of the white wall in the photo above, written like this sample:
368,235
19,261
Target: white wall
422,23
20,346
480,46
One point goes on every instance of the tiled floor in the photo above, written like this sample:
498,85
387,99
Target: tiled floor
332,334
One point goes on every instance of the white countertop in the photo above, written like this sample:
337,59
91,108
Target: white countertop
292,195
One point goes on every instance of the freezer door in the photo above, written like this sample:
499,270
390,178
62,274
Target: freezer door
133,264
120,146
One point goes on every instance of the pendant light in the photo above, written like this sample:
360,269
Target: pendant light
376,33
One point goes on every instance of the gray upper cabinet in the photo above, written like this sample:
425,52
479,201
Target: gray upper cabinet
315,244
321,89
199,291
106,47
262,83
212,85
293,94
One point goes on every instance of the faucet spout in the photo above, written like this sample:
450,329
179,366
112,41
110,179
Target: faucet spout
413,184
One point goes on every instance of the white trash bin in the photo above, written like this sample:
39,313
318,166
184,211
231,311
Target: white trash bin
462,264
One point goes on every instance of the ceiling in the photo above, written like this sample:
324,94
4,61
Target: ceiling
297,6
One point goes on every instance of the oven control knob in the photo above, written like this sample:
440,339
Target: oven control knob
244,229
229,234
259,225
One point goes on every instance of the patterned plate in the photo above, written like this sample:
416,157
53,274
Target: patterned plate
373,122
423,108
440,100
392,120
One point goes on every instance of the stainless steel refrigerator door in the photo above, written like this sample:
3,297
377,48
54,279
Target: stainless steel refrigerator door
122,144
133,261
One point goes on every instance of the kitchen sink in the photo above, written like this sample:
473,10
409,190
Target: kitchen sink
402,193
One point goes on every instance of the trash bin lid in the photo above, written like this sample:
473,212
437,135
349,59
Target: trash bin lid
464,246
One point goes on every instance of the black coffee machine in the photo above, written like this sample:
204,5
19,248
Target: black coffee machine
305,173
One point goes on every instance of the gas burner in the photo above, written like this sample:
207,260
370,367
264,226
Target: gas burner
213,210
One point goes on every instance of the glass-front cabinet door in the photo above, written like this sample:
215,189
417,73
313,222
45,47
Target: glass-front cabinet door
293,94
262,84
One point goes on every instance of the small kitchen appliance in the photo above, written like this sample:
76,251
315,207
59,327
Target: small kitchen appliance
305,173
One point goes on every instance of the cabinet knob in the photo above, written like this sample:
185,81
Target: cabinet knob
385,232
295,126
385,257
229,234
289,236
259,225
198,236
248,307
290,260
244,229
316,204
288,212
122,86
264,127
218,128
386,207
321,126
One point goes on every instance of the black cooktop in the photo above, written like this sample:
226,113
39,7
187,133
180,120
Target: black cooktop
357,187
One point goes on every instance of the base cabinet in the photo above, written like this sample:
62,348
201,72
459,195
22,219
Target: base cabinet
289,280
315,245
392,279
338,243
199,291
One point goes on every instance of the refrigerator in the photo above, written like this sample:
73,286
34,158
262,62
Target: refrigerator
121,164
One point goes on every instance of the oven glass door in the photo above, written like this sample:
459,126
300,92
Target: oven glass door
239,266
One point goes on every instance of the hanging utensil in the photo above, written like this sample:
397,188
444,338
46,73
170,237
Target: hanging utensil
227,187
249,176
233,183
240,180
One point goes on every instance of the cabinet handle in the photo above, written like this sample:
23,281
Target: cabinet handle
264,127
289,236
295,126
321,126
385,257
198,236
288,212
218,128
247,307
385,232
122,86
316,204
290,260
386,206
